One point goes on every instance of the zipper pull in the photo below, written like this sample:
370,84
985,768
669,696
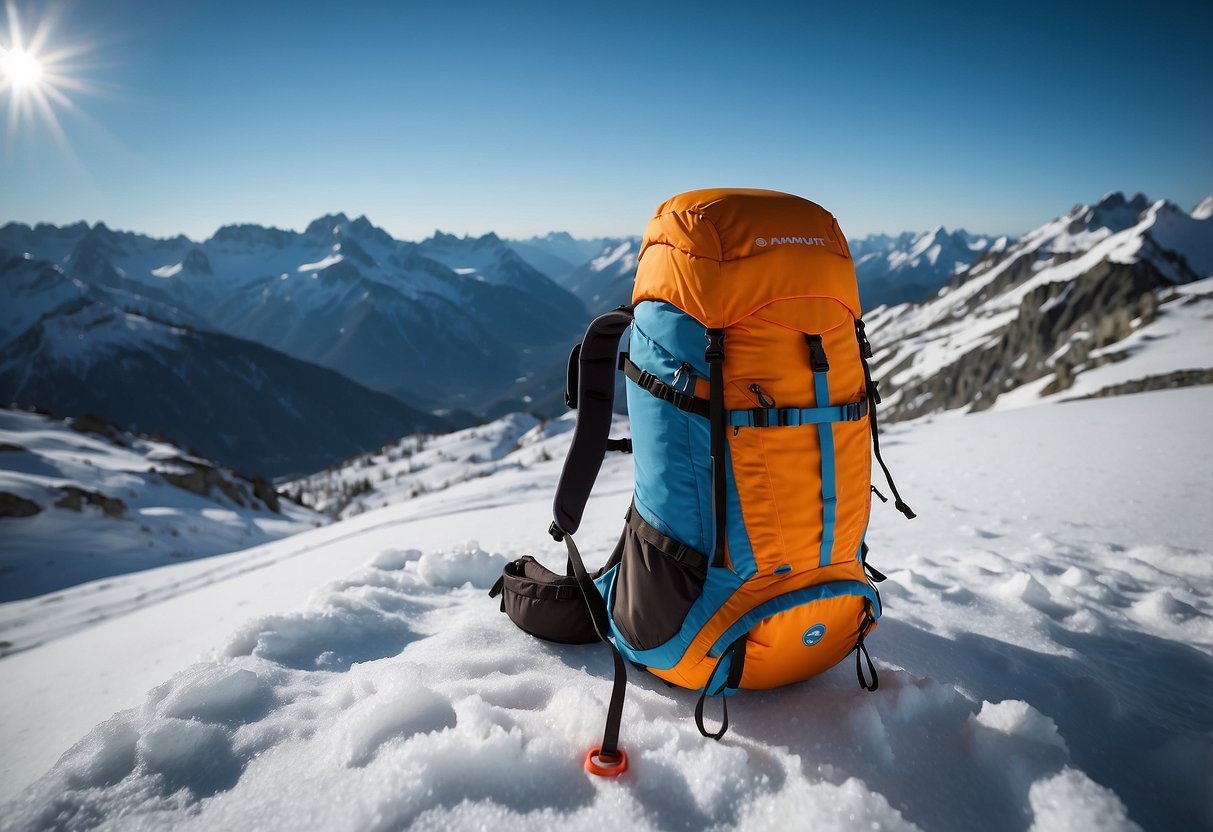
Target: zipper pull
763,401
685,368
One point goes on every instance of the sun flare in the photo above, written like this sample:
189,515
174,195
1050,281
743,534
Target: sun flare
21,69
40,74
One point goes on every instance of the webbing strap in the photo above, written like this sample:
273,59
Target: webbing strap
865,352
714,355
771,417
829,494
598,614
865,627
658,388
825,435
595,402
736,657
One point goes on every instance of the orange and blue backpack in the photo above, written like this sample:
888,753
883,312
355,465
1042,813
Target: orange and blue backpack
742,562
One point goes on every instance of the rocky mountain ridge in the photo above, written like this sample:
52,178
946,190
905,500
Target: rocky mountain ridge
1121,282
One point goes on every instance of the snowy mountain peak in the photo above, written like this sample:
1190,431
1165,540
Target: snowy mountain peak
1203,209
247,236
1113,212
556,238
196,262
329,224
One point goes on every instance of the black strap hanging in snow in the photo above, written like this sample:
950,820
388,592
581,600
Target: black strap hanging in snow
861,650
595,401
865,352
609,752
736,654
714,355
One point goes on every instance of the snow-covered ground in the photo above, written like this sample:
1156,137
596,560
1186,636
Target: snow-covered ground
99,502
422,463
1046,662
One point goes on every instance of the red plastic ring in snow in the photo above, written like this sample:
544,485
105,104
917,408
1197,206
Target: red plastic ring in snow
595,764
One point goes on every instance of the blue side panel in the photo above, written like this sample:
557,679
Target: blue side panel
829,492
678,333
671,449
671,457
741,552
606,584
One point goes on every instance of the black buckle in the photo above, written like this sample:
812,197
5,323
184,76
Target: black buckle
865,346
715,349
759,417
817,354
556,532
785,417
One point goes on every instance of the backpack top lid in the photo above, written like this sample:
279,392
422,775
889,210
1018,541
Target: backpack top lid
720,254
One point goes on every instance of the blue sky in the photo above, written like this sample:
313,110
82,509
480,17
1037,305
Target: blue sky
522,118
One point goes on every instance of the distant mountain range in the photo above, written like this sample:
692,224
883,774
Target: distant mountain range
281,352
913,266
450,324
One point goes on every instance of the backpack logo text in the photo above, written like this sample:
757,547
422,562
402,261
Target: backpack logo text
762,242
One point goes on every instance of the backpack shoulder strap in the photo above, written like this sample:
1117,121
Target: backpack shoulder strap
595,399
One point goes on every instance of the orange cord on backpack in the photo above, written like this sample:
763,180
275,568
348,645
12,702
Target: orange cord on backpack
596,765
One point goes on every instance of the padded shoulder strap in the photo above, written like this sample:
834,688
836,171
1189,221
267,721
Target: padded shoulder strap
595,401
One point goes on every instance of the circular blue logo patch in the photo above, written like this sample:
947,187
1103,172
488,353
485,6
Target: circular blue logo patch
814,634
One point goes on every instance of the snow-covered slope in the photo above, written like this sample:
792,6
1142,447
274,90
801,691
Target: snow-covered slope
558,254
422,463
1045,658
605,280
1122,279
81,499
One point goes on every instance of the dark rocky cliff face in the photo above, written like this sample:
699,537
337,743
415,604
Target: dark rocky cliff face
1100,308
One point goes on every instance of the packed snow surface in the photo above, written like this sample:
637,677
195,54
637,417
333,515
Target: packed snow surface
127,516
1046,662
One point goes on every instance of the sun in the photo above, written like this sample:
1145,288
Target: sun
40,74
20,69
